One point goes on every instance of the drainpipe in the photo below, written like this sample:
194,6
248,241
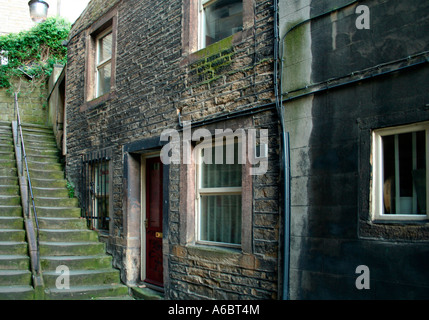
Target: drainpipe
284,162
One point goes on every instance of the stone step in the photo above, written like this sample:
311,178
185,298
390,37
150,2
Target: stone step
14,262
12,235
10,211
61,223
84,277
48,183
41,151
6,148
7,137
65,235
40,143
37,137
9,190
11,223
86,292
13,248
10,200
145,293
71,248
6,134
15,277
33,165
43,158
8,171
87,262
50,192
46,174
55,202
33,130
6,140
16,293
7,163
10,181
65,212
7,156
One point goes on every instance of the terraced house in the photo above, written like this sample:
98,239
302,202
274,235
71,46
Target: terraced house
148,77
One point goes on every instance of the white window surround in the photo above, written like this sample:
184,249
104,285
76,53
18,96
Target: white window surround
378,179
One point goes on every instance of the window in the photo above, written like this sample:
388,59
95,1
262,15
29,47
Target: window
95,189
400,176
219,19
101,60
219,199
103,67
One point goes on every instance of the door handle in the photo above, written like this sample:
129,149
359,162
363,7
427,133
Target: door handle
158,234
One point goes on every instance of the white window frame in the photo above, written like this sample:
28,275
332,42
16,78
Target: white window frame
101,64
213,191
202,22
377,203
202,4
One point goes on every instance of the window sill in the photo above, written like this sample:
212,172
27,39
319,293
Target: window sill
423,221
97,102
216,47
207,251
394,230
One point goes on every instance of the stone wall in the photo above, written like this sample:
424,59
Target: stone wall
156,77
31,100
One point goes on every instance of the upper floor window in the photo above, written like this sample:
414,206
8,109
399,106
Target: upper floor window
219,19
400,175
101,58
103,67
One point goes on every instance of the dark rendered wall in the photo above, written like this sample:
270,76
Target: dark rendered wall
376,86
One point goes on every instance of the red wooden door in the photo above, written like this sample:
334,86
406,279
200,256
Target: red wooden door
154,265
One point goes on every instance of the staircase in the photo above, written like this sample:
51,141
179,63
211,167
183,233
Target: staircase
15,275
65,241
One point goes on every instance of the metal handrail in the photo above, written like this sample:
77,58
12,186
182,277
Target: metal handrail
24,156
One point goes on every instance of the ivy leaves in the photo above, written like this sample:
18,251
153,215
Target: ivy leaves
33,53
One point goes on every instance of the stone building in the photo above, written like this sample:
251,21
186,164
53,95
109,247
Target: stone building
355,102
143,75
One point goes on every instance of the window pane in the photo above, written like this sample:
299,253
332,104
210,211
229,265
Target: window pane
223,174
105,48
221,218
404,163
103,81
222,19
